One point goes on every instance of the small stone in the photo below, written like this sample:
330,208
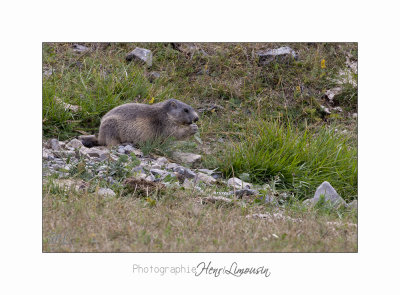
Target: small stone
98,152
106,192
159,172
71,184
46,154
205,178
48,73
79,48
206,171
171,166
186,173
238,183
338,109
329,194
55,145
162,161
281,54
128,149
331,93
141,54
354,115
74,144
150,178
187,158
325,109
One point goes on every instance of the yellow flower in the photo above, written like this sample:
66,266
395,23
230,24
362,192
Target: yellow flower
151,100
298,88
323,66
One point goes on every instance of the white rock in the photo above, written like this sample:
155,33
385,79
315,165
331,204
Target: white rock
354,115
238,183
280,54
106,192
331,93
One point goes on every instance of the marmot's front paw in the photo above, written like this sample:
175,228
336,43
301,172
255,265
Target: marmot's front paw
193,128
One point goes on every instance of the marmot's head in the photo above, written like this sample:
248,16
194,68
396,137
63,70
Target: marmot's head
180,112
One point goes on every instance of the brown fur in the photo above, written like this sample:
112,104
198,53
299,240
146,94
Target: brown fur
136,123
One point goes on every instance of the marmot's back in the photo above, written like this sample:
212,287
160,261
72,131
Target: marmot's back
137,123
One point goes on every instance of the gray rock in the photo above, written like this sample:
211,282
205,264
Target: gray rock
187,158
121,150
96,152
281,54
171,166
150,177
329,194
74,144
159,172
48,73
47,155
141,54
162,161
205,178
106,192
186,173
238,183
354,115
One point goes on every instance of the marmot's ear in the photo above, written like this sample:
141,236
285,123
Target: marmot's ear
173,104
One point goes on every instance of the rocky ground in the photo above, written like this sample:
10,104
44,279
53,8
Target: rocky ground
66,162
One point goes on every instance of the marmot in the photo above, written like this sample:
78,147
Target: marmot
137,123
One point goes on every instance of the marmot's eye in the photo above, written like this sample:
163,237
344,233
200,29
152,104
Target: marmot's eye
186,110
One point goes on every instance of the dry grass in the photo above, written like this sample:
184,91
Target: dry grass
179,222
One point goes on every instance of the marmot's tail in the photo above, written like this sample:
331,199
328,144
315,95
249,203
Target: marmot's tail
89,140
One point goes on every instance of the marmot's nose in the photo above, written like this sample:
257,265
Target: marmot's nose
195,119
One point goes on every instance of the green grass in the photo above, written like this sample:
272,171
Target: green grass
302,160
268,129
